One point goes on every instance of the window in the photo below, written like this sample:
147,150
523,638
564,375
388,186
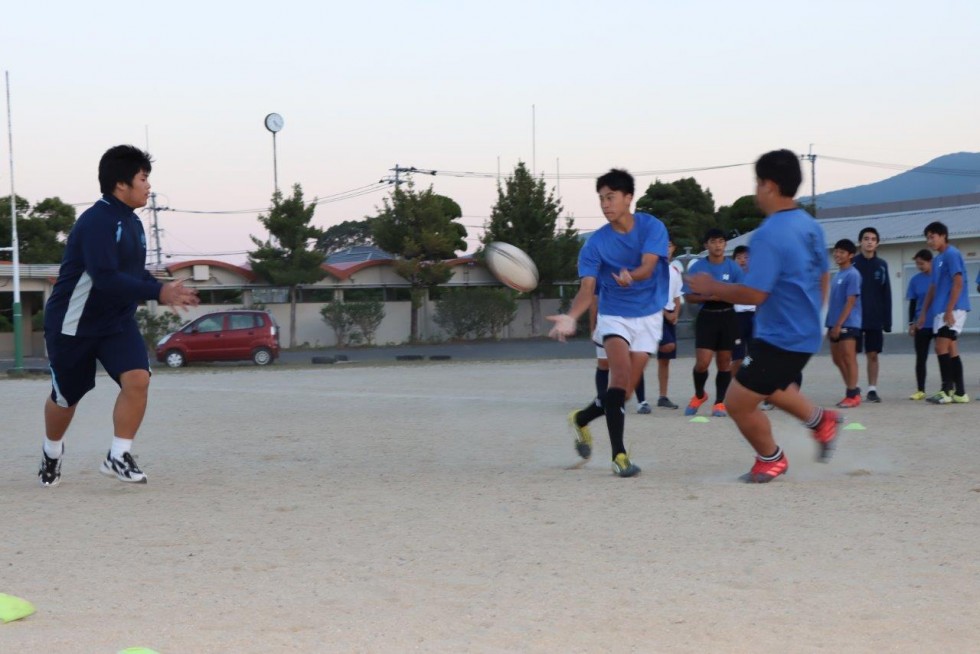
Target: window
210,324
241,321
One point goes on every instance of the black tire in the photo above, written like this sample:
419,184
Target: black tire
174,359
262,356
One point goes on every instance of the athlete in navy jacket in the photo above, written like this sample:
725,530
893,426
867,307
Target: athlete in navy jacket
90,316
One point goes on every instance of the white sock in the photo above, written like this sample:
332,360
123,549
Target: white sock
872,388
54,449
119,447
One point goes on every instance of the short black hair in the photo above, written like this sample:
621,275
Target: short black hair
869,230
740,249
923,254
937,228
616,180
783,168
714,232
121,164
847,245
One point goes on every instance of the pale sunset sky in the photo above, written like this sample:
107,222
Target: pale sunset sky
449,86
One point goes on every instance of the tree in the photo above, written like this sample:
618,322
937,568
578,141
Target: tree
526,215
686,209
420,229
345,235
286,258
41,229
742,216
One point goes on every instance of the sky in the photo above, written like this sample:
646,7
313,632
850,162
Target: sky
571,88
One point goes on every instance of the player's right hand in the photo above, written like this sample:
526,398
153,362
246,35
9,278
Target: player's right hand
177,296
564,326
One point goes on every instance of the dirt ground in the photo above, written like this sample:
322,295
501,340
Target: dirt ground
431,507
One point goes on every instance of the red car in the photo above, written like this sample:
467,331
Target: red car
222,336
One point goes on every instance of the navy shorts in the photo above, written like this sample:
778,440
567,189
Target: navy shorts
768,368
746,327
846,333
669,336
73,360
871,340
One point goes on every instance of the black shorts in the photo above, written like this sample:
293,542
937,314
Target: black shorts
769,369
716,330
746,327
846,333
871,340
669,336
73,361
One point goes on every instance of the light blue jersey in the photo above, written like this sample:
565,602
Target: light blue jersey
918,287
608,252
945,267
847,282
789,259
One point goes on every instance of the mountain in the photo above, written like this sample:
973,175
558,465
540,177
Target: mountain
950,174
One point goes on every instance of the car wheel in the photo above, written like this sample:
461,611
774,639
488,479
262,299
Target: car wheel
262,357
174,359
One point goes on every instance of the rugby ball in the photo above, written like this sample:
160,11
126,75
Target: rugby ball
512,266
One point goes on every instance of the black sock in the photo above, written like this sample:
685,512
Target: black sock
956,368
945,371
853,392
641,390
616,419
700,379
601,381
591,412
722,380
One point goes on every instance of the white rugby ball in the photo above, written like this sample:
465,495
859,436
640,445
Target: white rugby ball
512,266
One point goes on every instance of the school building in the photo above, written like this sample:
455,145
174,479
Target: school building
901,235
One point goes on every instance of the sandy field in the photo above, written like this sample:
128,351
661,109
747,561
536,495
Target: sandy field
431,507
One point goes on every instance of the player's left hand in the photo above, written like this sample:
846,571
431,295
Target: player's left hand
624,278
564,326
949,319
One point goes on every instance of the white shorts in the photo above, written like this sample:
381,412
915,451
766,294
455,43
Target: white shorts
642,334
959,319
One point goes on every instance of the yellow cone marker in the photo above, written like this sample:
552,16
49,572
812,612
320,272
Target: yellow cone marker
699,419
138,650
14,608
856,426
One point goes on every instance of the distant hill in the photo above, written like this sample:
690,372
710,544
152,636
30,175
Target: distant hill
950,174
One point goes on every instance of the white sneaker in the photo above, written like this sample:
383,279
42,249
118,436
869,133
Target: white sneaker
124,470
643,407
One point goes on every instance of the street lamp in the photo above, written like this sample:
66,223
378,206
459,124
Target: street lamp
274,123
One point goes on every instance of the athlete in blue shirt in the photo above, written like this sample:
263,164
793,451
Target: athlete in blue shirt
627,259
788,282
844,320
89,317
916,295
949,304
716,330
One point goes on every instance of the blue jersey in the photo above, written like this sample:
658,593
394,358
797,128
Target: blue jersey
847,282
103,274
789,259
608,252
918,287
727,271
945,267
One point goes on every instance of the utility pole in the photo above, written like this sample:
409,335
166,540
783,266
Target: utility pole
156,227
398,170
14,245
812,158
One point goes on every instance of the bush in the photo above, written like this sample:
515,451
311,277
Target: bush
6,324
476,312
335,315
154,327
366,316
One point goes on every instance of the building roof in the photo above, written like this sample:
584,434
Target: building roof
357,254
899,227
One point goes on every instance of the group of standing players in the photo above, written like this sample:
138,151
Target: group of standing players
625,264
